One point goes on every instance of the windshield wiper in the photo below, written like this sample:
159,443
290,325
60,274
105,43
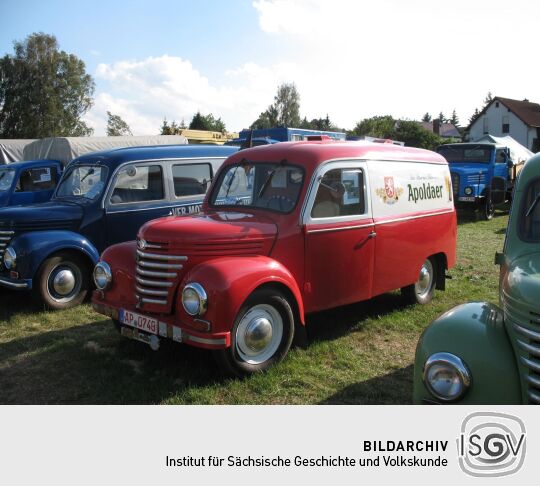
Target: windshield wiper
269,178
533,205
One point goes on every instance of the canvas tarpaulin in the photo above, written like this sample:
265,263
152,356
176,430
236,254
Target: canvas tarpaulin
65,149
12,150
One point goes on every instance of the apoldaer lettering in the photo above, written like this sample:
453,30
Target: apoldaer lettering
425,191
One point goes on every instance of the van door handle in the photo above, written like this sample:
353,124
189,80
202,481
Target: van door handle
372,235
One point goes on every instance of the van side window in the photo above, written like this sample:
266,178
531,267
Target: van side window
191,179
530,216
340,193
31,180
138,184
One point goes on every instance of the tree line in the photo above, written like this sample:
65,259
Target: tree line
45,92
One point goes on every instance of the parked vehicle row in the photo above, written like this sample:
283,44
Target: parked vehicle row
102,198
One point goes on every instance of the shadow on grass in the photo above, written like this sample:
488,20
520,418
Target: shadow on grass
335,323
92,364
382,390
468,216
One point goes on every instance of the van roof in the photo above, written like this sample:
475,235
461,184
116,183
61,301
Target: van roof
311,154
115,157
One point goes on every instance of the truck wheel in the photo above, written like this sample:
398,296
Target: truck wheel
63,281
261,336
422,291
489,209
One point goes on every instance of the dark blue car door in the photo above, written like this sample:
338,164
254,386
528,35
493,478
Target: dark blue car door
35,185
144,191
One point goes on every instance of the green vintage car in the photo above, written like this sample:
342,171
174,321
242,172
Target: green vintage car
478,353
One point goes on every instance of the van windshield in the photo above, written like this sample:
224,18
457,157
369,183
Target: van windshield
83,181
470,154
6,179
273,186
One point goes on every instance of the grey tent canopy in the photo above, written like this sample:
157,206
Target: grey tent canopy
11,150
65,149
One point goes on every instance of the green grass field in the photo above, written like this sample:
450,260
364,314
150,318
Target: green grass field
359,354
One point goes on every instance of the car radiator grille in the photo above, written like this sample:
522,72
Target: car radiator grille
476,179
5,238
156,273
529,341
455,183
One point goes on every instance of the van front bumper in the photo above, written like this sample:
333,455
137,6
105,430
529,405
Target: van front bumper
15,283
168,327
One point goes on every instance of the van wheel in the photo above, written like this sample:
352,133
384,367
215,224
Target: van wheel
63,281
422,291
261,336
488,209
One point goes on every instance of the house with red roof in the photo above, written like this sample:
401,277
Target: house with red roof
503,116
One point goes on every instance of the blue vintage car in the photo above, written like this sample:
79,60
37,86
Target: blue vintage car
102,199
28,182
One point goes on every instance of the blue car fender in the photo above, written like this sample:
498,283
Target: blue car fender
35,247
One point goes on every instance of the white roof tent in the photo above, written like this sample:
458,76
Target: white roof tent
11,150
518,152
65,149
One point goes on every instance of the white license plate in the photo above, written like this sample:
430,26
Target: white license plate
138,321
466,199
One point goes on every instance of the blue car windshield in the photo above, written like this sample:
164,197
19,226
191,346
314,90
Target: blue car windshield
6,179
83,181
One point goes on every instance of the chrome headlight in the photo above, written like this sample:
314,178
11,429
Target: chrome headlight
10,258
446,376
102,276
468,191
194,299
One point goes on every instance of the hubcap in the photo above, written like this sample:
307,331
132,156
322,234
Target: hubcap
64,282
259,334
425,279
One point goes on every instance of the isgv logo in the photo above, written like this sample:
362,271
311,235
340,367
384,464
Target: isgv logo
491,444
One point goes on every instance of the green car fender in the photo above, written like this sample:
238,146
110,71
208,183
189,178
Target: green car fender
475,333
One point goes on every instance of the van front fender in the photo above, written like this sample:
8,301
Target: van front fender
34,247
475,333
229,281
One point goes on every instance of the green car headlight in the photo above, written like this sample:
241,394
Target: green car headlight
446,376
10,258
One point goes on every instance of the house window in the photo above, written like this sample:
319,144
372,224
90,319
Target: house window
496,104
486,124
506,124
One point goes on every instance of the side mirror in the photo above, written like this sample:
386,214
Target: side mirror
499,258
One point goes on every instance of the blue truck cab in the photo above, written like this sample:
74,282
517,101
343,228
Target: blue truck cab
28,182
483,174
103,198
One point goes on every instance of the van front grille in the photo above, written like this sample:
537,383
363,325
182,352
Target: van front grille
455,183
156,274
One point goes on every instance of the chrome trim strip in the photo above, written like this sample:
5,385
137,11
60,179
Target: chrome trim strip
159,293
200,340
148,273
533,381
531,364
156,256
343,228
146,300
533,335
7,233
533,350
13,285
407,218
5,238
153,283
171,266
534,397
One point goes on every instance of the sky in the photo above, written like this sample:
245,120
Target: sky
349,59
